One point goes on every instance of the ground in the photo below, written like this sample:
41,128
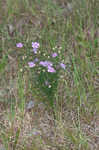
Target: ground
35,117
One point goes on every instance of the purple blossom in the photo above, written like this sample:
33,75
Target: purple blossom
35,45
36,60
31,64
19,45
46,63
35,50
62,65
54,55
42,63
51,69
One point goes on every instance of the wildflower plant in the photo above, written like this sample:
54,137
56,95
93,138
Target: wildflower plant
45,69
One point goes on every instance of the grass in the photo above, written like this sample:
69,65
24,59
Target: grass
64,116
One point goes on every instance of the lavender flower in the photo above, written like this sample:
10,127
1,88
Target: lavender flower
42,63
35,45
31,64
46,63
54,55
63,66
35,50
19,45
36,60
51,69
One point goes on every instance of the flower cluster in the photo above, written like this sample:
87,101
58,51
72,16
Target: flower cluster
35,46
47,64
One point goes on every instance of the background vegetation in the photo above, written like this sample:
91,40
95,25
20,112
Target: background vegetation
64,114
